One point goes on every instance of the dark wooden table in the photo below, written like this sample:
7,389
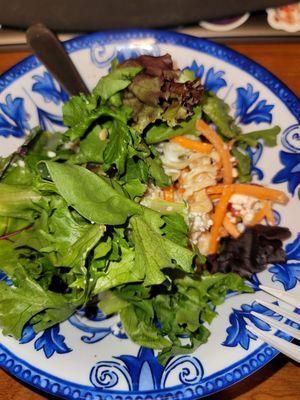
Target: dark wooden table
280,379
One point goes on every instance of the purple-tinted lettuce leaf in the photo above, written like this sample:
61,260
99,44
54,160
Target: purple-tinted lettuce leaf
251,252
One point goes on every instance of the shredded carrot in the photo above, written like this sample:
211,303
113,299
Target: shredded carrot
215,196
223,232
218,218
265,211
220,146
260,215
231,143
169,193
194,145
180,179
230,227
269,213
218,165
260,192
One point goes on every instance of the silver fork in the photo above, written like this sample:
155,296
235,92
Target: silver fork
289,349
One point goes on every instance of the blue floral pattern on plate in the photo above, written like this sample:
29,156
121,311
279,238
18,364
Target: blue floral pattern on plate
51,341
49,121
3,277
249,109
143,372
288,274
102,57
290,173
48,89
255,156
212,79
99,332
13,120
237,332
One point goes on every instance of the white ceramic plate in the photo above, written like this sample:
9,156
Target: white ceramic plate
93,359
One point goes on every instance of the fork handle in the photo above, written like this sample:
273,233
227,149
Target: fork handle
291,350
282,295
52,54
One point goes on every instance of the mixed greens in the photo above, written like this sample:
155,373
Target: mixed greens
73,231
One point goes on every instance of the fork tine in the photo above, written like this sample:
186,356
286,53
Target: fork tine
280,310
278,324
280,294
289,349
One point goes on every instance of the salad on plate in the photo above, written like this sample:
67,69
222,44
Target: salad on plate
143,207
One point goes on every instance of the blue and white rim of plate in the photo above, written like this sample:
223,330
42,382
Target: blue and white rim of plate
217,381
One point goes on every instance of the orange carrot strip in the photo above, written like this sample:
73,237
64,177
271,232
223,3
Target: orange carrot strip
260,192
269,213
214,190
169,193
194,145
180,179
220,146
222,232
260,215
218,219
230,227
215,196
231,143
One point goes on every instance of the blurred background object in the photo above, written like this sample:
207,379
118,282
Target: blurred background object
93,15
225,24
223,21
286,18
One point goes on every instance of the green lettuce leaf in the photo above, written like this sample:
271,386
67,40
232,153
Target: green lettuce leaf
81,111
26,299
147,89
11,162
9,225
135,188
55,231
198,296
243,165
18,201
153,252
102,249
242,141
111,303
136,169
4,164
162,132
186,75
164,207
35,238
91,148
77,108
175,229
116,151
139,326
91,195
157,172
115,81
178,312
156,169
78,252
118,273
268,136
135,307
146,115
218,112
174,113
